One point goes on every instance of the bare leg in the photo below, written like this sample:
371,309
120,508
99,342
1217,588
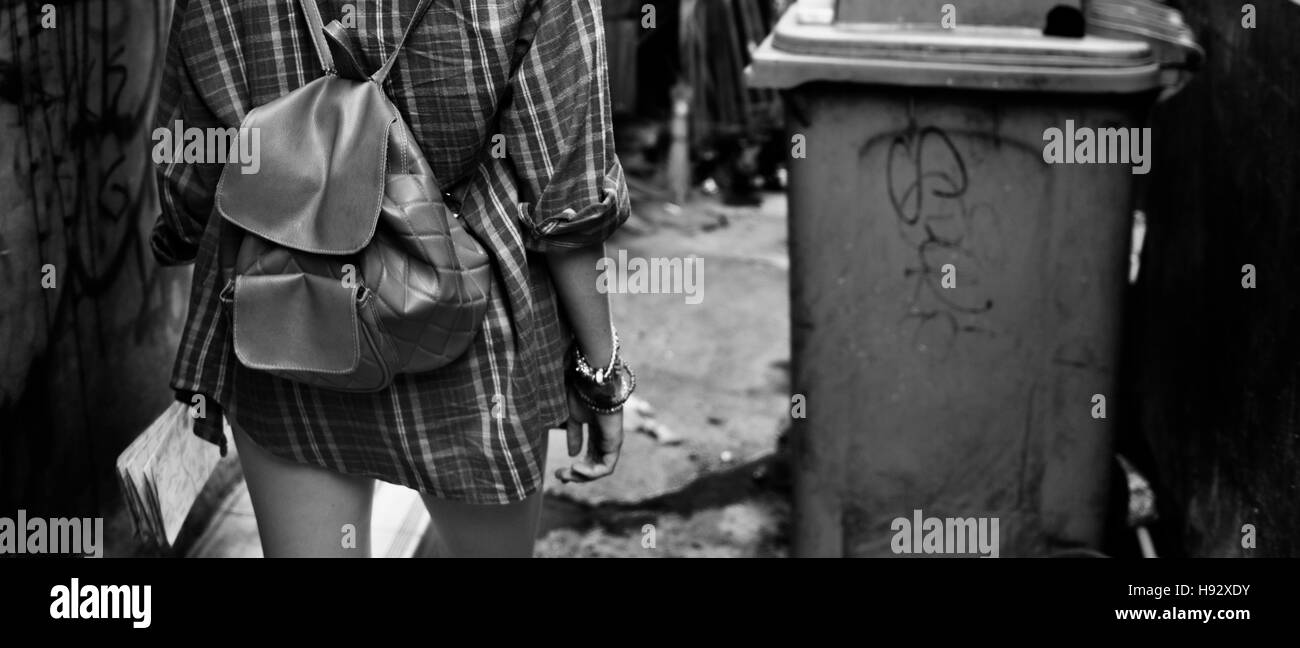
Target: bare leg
485,530
302,510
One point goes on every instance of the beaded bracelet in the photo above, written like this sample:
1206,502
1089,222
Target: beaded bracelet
597,375
604,390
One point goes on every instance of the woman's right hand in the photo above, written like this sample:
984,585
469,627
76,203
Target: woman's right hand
604,434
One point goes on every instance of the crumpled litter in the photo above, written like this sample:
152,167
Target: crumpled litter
641,417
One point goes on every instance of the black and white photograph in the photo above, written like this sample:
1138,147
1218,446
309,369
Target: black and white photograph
759,279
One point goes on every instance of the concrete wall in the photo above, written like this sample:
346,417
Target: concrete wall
1214,379
83,365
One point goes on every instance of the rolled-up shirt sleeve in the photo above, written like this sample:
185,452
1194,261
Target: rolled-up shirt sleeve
185,190
559,132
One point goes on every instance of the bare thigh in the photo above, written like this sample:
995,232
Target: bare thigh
484,530
304,510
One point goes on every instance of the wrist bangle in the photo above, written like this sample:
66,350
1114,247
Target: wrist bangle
603,390
598,375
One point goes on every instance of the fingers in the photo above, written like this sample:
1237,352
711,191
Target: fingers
585,470
575,432
609,444
603,449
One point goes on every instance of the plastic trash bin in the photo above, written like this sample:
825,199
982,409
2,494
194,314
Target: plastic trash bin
955,281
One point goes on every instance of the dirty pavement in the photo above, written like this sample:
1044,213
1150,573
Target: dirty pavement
699,473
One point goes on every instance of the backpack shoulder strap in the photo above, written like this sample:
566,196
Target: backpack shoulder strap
318,34
420,11
317,28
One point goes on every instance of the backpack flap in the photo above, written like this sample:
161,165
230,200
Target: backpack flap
320,183
296,322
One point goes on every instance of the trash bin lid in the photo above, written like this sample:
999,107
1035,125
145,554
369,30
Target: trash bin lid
808,45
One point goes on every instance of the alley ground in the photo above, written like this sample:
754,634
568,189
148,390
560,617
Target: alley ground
716,375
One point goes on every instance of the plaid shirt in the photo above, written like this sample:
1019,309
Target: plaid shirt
475,430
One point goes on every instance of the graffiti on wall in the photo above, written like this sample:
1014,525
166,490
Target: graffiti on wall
76,95
88,321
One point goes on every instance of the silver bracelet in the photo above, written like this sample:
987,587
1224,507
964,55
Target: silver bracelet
598,375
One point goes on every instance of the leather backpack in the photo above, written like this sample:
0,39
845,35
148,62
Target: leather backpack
352,268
